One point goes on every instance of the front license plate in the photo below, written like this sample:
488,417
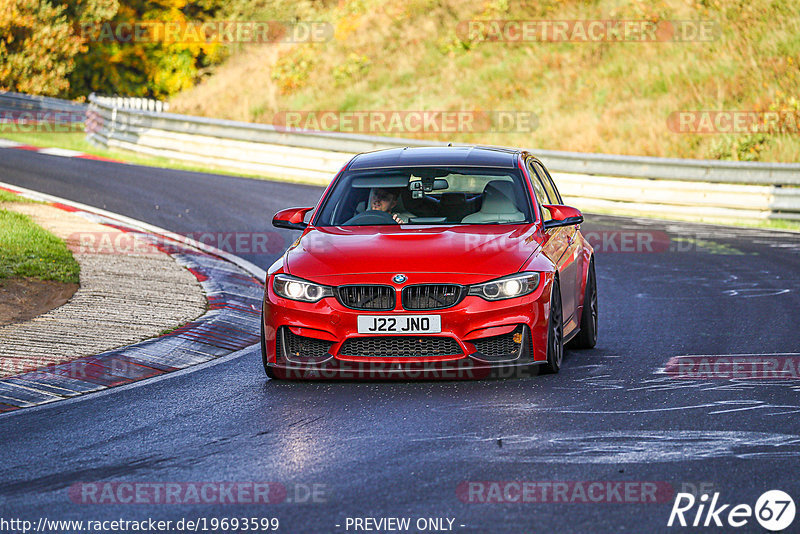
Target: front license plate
399,324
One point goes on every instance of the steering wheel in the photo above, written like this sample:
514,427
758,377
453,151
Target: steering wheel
370,217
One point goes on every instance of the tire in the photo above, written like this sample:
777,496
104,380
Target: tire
555,332
267,369
587,336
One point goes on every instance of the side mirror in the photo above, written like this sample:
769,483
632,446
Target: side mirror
562,216
291,218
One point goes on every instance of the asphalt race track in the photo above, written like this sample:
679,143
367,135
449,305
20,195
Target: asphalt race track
613,414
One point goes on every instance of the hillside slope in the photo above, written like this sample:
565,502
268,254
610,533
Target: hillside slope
613,97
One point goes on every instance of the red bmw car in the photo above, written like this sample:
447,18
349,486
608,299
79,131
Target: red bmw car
429,261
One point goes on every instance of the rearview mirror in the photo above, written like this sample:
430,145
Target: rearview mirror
419,187
291,218
562,216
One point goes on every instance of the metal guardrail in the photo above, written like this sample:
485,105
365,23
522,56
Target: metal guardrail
11,101
25,114
695,170
695,189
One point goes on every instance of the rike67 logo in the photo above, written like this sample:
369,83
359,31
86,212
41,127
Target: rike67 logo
774,510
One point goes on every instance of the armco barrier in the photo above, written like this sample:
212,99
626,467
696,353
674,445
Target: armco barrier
693,189
10,101
24,113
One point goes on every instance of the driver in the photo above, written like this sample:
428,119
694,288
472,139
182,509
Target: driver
384,200
379,208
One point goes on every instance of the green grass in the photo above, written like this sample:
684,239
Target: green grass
29,251
168,331
77,141
5,196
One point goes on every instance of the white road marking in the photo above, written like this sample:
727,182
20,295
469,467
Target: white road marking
65,152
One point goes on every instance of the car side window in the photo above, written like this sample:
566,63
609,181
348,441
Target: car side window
547,181
538,187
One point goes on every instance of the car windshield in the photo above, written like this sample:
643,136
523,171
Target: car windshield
426,195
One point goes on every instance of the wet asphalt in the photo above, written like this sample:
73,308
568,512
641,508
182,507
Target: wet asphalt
347,449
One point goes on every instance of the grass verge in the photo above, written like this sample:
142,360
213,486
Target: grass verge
5,196
29,251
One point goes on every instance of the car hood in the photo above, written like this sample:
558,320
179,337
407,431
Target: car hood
486,251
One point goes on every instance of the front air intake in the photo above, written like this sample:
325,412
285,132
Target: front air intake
432,296
366,297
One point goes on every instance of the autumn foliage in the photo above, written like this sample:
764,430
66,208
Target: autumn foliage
71,48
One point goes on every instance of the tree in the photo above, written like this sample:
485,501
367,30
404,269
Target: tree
73,47
38,42
155,65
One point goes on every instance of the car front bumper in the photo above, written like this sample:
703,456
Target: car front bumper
474,328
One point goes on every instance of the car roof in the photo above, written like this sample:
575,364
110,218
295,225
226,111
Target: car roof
458,156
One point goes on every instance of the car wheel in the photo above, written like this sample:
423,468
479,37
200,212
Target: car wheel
555,332
587,336
267,369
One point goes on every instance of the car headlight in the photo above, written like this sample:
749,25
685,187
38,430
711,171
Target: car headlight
293,288
507,287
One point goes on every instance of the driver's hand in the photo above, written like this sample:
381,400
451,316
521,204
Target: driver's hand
397,219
